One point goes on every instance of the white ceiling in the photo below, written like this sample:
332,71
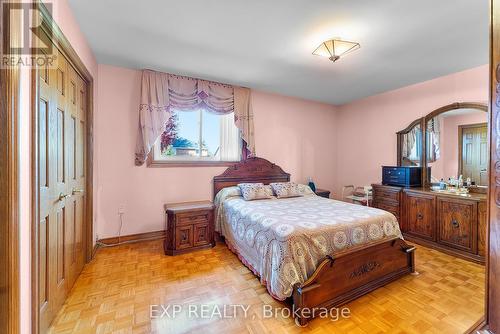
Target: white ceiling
267,44
464,111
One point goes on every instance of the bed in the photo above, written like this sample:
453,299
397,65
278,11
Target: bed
319,252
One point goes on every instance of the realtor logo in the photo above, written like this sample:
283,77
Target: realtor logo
28,43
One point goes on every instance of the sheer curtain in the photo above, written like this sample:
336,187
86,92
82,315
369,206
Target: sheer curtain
162,92
230,147
433,139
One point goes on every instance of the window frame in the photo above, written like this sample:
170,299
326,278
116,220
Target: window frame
151,161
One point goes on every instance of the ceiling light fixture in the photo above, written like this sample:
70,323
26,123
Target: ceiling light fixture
333,49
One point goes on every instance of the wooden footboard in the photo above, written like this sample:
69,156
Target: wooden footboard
339,280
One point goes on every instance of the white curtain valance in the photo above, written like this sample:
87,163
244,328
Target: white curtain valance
162,92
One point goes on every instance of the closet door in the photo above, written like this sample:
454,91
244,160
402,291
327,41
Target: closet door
53,190
75,131
61,155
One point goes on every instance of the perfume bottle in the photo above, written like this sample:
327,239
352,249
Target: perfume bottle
312,185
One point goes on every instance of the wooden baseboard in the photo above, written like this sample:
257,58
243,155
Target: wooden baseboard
94,250
478,327
134,237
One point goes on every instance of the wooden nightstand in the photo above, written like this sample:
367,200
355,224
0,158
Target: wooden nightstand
189,226
322,192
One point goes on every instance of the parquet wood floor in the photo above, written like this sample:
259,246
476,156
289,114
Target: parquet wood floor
114,293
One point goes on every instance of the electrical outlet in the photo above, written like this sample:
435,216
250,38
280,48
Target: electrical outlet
121,209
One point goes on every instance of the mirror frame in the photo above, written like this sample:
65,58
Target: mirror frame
423,125
400,135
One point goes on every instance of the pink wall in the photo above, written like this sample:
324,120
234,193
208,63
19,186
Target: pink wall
66,21
296,134
366,129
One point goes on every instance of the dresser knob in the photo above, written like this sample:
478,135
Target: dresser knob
420,216
455,223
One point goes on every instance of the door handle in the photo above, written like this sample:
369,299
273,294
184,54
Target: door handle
78,191
62,197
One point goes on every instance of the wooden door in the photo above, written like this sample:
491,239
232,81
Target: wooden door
493,251
474,153
457,224
420,215
75,131
10,109
61,155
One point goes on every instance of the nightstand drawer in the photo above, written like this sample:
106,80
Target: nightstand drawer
183,237
201,234
191,218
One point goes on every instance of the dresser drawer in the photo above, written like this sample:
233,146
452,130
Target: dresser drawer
457,224
385,195
190,218
390,207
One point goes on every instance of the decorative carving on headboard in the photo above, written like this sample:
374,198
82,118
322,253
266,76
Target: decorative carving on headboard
253,165
250,170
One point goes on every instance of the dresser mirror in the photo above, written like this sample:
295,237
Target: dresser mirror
457,145
410,144
455,141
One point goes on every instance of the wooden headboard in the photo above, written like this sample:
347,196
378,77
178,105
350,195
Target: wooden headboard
251,170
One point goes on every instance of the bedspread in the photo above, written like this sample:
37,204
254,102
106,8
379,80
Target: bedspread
284,240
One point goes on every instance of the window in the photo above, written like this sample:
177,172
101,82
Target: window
198,137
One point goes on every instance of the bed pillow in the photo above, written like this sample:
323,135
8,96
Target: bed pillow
252,191
286,189
226,193
305,190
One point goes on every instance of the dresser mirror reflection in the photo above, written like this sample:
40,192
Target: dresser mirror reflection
455,141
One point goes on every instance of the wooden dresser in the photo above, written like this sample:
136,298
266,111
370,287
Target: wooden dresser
189,226
447,222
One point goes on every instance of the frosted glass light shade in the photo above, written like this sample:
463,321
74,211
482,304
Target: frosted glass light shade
333,49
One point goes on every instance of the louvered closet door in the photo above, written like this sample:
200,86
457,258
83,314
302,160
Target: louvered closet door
62,95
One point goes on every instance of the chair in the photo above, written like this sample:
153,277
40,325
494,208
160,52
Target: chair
357,195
